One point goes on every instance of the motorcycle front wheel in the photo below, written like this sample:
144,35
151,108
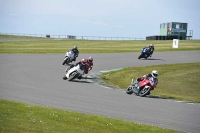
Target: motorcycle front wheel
140,56
66,61
129,90
64,77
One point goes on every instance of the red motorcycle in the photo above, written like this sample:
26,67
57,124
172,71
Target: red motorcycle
142,88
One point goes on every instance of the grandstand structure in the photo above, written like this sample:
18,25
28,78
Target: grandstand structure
173,30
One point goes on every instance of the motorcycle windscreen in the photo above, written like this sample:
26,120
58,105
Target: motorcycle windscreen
70,54
144,50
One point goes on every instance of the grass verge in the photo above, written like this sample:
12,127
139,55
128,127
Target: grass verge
33,46
176,81
19,117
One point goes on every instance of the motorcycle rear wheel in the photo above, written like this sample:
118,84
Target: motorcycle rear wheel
144,92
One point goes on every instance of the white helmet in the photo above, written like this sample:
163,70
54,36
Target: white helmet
75,47
90,59
154,73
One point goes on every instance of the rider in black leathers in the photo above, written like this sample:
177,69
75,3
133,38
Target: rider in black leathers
76,52
150,49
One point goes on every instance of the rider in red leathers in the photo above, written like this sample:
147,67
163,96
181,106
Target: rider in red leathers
89,65
153,74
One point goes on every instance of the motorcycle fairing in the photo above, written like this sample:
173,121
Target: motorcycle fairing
78,69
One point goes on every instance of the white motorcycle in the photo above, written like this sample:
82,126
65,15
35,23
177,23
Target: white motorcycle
75,72
69,56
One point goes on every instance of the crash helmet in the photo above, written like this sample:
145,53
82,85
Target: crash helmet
154,73
151,45
90,59
75,47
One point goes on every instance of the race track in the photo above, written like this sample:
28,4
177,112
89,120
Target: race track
37,79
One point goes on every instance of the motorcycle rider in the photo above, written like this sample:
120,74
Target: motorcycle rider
151,46
150,49
153,74
89,65
87,62
76,52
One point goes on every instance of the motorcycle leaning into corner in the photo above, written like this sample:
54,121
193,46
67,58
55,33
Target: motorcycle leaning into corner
141,88
75,72
69,56
144,53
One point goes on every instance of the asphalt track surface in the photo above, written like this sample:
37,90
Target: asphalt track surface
37,79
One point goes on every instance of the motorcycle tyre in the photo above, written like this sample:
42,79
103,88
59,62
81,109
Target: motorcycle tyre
146,56
64,77
129,90
145,93
140,56
66,61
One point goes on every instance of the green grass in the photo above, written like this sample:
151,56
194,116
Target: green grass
176,81
19,117
92,46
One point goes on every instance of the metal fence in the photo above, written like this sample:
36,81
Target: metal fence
76,37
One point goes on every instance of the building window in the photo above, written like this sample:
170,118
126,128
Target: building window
181,26
177,26
161,25
166,25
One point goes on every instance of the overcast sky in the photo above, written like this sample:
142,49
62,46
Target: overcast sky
111,18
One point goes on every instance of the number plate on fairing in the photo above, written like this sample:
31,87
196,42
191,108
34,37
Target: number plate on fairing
152,81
